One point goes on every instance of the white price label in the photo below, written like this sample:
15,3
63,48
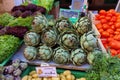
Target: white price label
46,71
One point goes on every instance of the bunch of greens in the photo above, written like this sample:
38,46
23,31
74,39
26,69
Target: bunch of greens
5,19
8,44
104,68
21,22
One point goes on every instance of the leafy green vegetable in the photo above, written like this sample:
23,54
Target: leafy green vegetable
8,44
5,19
21,22
104,68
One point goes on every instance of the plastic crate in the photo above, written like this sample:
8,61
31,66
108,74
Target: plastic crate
77,74
6,60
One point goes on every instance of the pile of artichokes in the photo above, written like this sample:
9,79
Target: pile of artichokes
63,43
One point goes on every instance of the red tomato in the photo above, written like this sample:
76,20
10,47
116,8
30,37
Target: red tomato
99,26
110,23
105,34
103,21
116,33
102,12
114,44
113,52
102,17
117,37
105,26
113,19
110,31
117,25
113,27
97,17
109,14
108,18
112,11
118,30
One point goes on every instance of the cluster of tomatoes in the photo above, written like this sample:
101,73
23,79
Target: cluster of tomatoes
108,24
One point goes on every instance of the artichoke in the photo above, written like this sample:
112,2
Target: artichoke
30,53
49,37
40,23
23,66
88,42
45,53
62,23
31,39
61,56
91,55
83,25
68,39
78,57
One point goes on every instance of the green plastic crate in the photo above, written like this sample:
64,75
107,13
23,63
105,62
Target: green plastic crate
6,60
77,74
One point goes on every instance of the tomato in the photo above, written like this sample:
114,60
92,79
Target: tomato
101,30
114,44
113,19
102,17
109,14
112,11
97,17
103,21
116,32
113,27
102,12
105,34
110,31
113,52
99,26
117,25
117,37
105,26
108,18
110,23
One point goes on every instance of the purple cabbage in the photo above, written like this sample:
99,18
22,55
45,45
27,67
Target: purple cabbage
17,13
41,9
18,31
22,8
1,27
26,14
31,7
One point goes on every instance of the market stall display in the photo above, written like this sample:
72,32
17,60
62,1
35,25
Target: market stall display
58,44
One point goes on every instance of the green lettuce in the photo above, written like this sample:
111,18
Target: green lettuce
8,44
5,19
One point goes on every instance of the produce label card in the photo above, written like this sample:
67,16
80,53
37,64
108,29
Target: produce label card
46,71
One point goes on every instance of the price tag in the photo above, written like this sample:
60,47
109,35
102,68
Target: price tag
46,71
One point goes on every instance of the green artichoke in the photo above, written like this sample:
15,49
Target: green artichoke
68,39
61,56
83,25
30,53
44,53
78,57
49,37
91,55
88,42
40,23
63,23
31,39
